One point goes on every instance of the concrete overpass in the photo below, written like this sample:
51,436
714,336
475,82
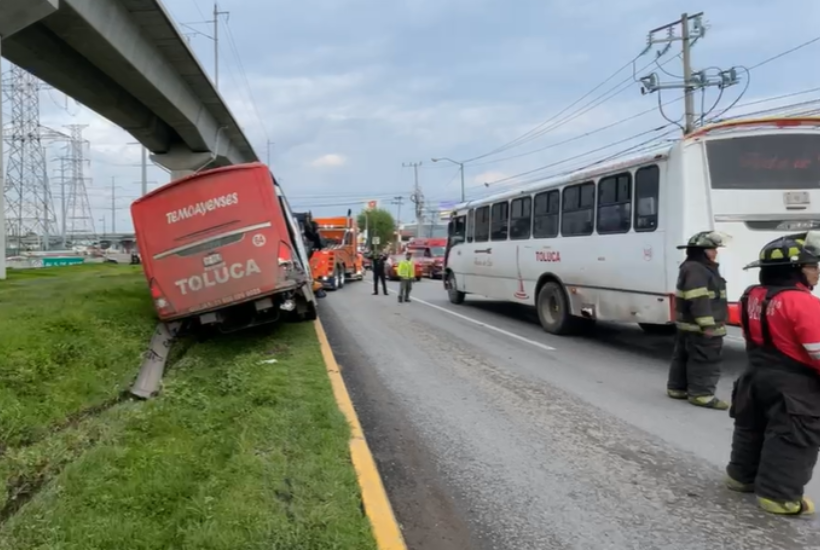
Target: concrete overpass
127,61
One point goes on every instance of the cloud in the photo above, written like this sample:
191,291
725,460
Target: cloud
331,160
380,84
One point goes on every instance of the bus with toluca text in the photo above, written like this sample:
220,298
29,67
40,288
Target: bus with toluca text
600,244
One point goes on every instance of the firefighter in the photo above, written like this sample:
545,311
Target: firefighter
701,313
406,272
776,401
379,266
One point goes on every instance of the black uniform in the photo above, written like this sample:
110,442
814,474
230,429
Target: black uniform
775,402
701,313
379,265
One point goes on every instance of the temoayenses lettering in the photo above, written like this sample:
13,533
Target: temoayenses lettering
218,276
202,208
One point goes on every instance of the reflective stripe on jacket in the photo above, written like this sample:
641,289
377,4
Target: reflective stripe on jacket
700,300
406,269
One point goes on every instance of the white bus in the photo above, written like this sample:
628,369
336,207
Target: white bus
601,244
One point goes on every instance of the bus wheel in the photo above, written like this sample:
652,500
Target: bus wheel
455,295
554,312
658,330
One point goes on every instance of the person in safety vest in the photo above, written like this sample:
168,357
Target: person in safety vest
701,311
406,272
776,401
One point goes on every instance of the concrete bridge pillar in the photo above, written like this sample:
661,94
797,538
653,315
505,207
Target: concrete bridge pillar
181,161
15,15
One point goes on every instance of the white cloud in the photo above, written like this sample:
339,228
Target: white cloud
331,160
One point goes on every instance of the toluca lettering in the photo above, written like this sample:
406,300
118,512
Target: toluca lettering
214,277
547,256
202,208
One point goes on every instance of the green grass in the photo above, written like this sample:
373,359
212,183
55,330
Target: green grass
236,453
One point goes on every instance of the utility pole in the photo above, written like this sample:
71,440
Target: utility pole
688,97
398,202
461,169
417,197
113,205
269,144
144,174
691,30
217,13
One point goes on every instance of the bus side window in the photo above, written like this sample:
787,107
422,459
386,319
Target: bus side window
615,204
481,229
458,230
546,214
647,186
470,225
578,211
521,218
500,222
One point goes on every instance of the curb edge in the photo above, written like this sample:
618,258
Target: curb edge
377,506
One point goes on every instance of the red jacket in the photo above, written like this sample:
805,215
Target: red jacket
794,323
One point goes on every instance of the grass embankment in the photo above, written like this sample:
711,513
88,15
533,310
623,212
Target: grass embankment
236,453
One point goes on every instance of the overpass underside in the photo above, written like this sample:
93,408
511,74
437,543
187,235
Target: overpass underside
125,60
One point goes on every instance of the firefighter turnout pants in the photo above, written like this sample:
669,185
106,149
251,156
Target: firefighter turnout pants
695,366
777,431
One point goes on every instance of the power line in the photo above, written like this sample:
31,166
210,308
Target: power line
785,53
553,164
565,109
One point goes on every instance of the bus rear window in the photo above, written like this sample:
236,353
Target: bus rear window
785,161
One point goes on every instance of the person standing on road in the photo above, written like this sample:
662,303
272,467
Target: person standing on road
406,272
701,313
379,266
776,401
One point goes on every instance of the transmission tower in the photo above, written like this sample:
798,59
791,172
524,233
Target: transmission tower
30,215
77,217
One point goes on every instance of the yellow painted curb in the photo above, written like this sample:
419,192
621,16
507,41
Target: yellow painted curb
377,506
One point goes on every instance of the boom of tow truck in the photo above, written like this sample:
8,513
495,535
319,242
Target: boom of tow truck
340,259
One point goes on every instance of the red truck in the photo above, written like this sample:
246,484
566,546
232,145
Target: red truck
429,252
222,247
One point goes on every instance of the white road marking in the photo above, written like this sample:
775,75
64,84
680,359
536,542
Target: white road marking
485,325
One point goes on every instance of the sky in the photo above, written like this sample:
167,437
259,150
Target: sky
346,93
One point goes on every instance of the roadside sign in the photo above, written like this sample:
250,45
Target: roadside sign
377,240
59,262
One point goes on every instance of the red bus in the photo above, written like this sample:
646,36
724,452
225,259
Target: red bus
222,247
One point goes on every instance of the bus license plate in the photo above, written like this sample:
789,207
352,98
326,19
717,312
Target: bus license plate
796,198
212,260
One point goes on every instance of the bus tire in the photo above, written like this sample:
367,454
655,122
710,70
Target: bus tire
554,311
455,295
658,330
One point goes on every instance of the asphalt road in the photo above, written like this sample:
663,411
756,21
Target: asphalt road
492,434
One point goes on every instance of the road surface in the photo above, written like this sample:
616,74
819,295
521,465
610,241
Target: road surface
492,434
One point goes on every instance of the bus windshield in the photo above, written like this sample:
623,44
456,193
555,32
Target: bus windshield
765,162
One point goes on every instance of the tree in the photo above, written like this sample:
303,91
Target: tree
380,223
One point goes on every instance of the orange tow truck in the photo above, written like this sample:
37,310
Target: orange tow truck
339,260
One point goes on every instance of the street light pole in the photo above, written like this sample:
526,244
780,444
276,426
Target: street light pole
461,169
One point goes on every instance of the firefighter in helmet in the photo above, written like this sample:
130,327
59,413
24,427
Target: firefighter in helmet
700,316
776,401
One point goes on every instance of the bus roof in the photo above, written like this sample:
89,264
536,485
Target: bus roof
716,130
660,153
203,173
